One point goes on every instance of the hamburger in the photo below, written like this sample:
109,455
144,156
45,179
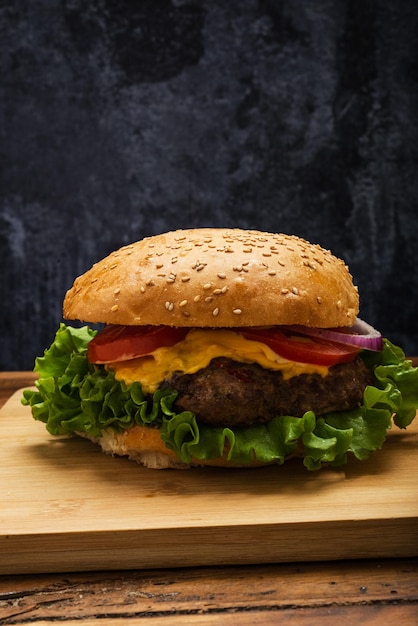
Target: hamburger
222,347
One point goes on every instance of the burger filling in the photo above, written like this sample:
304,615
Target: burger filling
331,400
229,393
237,377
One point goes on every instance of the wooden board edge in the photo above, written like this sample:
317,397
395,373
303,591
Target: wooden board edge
191,547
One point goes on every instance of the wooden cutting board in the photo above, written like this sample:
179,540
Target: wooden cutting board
65,506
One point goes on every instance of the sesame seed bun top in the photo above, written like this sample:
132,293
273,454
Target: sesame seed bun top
216,277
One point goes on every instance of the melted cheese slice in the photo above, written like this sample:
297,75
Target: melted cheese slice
196,351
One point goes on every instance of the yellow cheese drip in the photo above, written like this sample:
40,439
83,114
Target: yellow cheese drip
196,351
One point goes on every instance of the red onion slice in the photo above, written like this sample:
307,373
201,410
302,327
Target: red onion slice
361,335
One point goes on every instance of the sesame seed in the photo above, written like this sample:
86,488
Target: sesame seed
159,266
183,303
197,298
142,289
224,289
295,291
198,266
215,312
117,290
319,299
272,272
112,267
94,280
185,279
149,282
221,275
216,292
114,308
207,286
169,305
209,299
237,311
284,290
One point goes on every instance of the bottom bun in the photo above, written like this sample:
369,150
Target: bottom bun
145,446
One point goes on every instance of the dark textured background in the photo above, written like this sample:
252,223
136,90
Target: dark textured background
121,119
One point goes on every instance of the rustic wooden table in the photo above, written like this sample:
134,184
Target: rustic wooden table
365,591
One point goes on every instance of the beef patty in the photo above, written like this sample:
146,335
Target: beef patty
228,393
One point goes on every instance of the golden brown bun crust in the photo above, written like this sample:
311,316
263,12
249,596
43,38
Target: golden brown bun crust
216,277
145,446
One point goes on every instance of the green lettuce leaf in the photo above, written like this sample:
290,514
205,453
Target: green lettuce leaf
73,395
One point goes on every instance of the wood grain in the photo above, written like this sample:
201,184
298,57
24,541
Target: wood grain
16,380
310,593
66,506
365,615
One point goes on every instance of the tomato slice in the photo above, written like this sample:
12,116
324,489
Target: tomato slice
121,343
300,348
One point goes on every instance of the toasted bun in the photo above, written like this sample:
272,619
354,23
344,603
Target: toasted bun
216,277
145,446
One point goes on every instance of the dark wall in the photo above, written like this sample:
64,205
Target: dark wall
121,119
